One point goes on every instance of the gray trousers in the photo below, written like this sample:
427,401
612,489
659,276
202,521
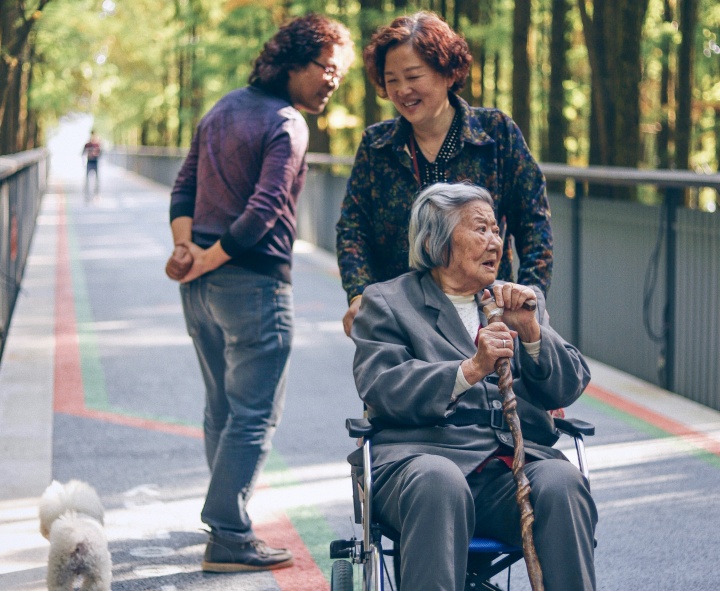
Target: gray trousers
437,510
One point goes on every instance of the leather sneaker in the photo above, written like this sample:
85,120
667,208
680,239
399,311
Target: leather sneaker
227,556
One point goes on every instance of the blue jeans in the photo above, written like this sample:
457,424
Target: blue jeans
241,324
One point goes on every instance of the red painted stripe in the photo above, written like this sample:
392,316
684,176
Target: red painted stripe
136,422
69,396
304,575
696,438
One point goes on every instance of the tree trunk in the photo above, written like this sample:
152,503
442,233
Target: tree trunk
496,80
685,74
145,133
666,83
15,28
8,64
469,10
23,91
628,76
476,12
613,36
371,15
521,67
180,59
319,140
180,73
717,142
196,87
556,121
10,121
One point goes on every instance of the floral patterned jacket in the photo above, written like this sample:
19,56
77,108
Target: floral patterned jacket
372,238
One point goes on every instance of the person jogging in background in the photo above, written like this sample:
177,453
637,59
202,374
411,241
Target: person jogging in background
92,151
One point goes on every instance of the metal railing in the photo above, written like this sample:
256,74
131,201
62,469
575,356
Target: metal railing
635,280
634,286
23,180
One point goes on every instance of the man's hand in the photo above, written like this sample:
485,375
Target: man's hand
204,260
179,263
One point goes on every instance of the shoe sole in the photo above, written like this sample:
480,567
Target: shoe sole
234,567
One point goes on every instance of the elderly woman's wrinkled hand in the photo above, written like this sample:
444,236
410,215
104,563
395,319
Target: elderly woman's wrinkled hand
493,342
511,297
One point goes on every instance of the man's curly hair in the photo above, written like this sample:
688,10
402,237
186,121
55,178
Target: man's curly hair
432,38
293,47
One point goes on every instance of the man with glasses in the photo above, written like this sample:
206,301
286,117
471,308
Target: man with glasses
233,220
330,72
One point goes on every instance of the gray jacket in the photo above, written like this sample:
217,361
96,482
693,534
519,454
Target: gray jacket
409,343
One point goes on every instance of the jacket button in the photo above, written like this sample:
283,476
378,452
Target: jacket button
504,437
496,404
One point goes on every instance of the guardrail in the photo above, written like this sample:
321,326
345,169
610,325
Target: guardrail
634,286
637,278
23,180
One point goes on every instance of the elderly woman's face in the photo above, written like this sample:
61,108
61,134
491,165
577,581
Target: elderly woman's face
476,251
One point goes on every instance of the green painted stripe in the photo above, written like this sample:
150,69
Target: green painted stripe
93,375
307,520
647,428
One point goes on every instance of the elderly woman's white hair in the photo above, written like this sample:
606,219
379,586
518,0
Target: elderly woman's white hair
433,219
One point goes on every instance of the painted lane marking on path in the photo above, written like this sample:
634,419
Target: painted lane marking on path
696,438
69,398
68,377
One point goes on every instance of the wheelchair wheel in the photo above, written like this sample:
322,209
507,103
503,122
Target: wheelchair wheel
341,577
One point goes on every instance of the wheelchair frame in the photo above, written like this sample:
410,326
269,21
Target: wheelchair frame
487,557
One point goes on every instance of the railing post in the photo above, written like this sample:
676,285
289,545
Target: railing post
576,261
673,198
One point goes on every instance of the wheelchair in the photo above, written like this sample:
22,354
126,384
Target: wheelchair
487,557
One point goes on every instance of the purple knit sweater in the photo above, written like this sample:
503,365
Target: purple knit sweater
241,180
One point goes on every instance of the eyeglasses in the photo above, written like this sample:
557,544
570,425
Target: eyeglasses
329,72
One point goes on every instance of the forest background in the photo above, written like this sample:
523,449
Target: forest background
632,83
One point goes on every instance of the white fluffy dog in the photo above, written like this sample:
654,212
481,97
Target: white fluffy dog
71,517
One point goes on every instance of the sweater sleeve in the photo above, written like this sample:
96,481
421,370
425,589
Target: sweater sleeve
528,208
354,226
182,198
282,164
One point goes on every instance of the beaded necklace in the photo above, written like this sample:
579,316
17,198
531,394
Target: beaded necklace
427,172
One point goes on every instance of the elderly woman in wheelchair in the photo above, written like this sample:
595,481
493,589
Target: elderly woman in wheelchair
424,368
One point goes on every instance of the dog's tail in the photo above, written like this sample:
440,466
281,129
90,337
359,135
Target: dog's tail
73,496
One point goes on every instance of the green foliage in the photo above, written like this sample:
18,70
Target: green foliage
148,70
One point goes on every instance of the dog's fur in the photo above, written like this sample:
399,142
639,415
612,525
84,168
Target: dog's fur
71,517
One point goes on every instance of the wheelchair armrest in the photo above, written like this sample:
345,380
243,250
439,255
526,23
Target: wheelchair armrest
575,427
359,427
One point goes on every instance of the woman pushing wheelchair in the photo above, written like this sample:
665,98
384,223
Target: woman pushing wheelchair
424,367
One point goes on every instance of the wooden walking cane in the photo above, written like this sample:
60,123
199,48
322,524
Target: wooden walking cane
494,313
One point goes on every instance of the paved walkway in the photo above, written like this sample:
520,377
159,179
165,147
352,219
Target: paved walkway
99,382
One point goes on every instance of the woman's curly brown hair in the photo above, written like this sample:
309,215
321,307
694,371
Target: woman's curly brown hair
435,42
293,47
